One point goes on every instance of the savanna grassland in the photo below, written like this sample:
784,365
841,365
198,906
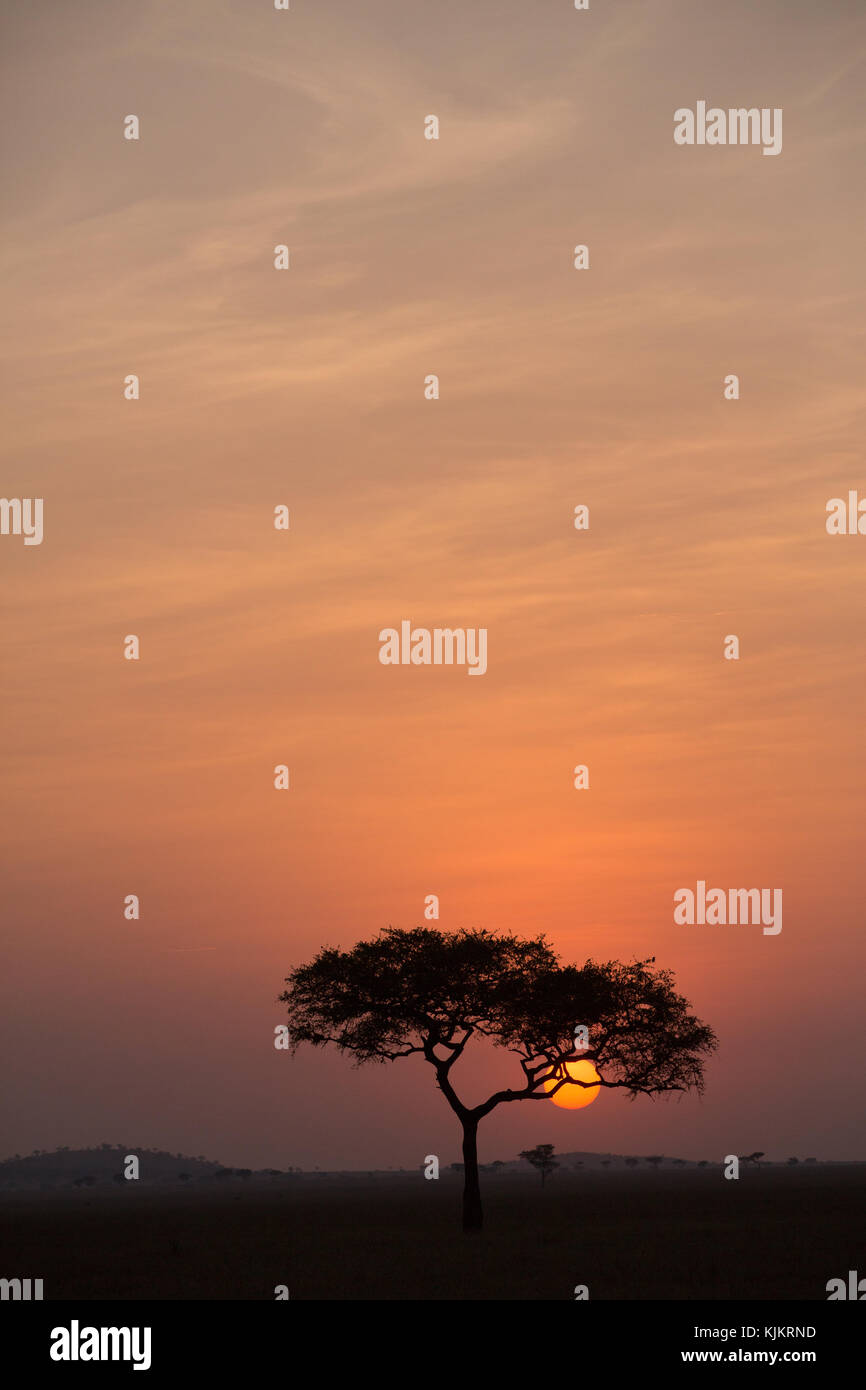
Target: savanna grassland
776,1233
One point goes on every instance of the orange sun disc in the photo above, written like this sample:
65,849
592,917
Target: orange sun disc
575,1097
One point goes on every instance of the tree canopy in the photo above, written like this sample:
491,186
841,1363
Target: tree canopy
422,991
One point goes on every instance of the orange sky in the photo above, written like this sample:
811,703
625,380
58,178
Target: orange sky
259,647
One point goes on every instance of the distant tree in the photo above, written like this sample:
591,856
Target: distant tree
655,1159
810,1160
184,1177
631,1163
541,1158
427,993
605,1163
792,1162
752,1158
679,1163
704,1163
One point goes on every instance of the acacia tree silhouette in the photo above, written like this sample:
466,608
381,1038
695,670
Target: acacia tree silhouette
541,1158
427,992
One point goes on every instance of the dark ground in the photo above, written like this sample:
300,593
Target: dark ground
773,1234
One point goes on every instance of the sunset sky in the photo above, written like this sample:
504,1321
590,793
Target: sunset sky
260,647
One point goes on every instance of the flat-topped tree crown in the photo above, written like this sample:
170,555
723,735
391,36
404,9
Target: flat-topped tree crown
426,992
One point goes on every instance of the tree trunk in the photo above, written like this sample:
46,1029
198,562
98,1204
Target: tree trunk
472,1215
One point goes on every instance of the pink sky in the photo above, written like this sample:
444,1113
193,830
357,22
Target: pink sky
258,647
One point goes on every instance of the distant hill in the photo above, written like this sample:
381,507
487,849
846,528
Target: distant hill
89,1167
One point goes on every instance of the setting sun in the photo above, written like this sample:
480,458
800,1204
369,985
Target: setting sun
575,1097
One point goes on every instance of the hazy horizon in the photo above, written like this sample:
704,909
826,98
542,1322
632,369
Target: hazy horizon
447,1161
